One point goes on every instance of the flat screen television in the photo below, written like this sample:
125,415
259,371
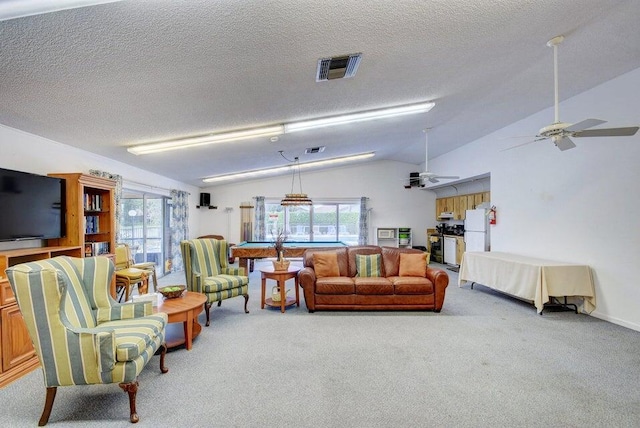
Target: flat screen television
31,206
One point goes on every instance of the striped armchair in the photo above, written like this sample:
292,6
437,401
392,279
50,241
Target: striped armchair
81,335
206,271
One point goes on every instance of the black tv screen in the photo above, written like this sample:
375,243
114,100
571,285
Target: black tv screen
31,206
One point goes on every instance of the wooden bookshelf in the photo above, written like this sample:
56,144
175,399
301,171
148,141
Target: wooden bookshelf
90,214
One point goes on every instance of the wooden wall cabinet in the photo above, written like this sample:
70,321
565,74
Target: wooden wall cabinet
90,214
458,205
460,249
17,356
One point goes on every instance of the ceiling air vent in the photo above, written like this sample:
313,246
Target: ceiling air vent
312,150
339,67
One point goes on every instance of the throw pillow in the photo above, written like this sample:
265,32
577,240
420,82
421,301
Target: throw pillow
325,263
369,265
413,264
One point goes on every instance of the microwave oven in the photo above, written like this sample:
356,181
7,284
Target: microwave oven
386,234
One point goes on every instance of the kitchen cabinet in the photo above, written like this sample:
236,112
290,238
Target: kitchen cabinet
458,205
471,202
17,356
441,204
477,199
460,249
461,212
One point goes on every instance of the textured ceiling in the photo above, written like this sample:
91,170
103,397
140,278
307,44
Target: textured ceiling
108,76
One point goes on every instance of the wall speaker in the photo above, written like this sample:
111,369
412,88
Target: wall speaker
205,200
414,179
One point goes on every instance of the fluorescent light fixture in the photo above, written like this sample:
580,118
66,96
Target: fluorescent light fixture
280,129
10,9
358,117
282,169
203,140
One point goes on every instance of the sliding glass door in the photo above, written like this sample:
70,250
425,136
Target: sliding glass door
142,226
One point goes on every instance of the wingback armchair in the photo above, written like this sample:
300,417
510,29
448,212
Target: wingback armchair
81,335
206,271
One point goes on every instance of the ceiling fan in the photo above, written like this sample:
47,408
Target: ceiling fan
426,174
561,132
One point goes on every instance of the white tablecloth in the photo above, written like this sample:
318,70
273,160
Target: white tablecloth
529,278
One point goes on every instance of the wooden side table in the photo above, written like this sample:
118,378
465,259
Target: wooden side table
183,309
280,277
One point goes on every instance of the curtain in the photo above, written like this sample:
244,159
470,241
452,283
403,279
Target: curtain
260,230
179,227
117,194
363,233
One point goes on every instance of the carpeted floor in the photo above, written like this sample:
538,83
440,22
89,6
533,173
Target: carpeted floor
486,360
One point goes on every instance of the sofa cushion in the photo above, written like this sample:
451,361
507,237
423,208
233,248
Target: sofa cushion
214,284
325,264
335,285
307,259
368,265
352,251
413,264
134,336
391,259
411,285
373,285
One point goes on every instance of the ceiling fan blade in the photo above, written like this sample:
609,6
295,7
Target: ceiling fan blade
523,144
564,143
433,180
447,177
607,132
587,123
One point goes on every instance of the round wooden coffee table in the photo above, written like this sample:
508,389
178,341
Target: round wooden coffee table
184,309
280,277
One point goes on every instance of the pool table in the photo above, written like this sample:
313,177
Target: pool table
257,250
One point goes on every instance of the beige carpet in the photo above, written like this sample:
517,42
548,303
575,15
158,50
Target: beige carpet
485,361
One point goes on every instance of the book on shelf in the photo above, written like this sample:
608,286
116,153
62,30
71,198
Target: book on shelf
92,202
92,224
92,249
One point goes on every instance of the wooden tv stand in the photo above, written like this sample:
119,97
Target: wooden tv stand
17,356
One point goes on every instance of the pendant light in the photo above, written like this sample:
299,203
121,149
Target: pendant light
295,198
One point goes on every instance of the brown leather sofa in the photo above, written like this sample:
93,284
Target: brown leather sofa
389,291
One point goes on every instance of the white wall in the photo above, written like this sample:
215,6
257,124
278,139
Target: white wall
30,153
381,181
579,205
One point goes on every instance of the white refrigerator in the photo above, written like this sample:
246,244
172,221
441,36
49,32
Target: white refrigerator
476,230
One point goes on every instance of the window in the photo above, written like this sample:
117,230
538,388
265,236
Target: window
322,221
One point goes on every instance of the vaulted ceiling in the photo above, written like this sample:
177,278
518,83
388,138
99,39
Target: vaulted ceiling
108,76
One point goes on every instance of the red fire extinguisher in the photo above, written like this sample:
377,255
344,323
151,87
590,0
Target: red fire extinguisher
492,215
